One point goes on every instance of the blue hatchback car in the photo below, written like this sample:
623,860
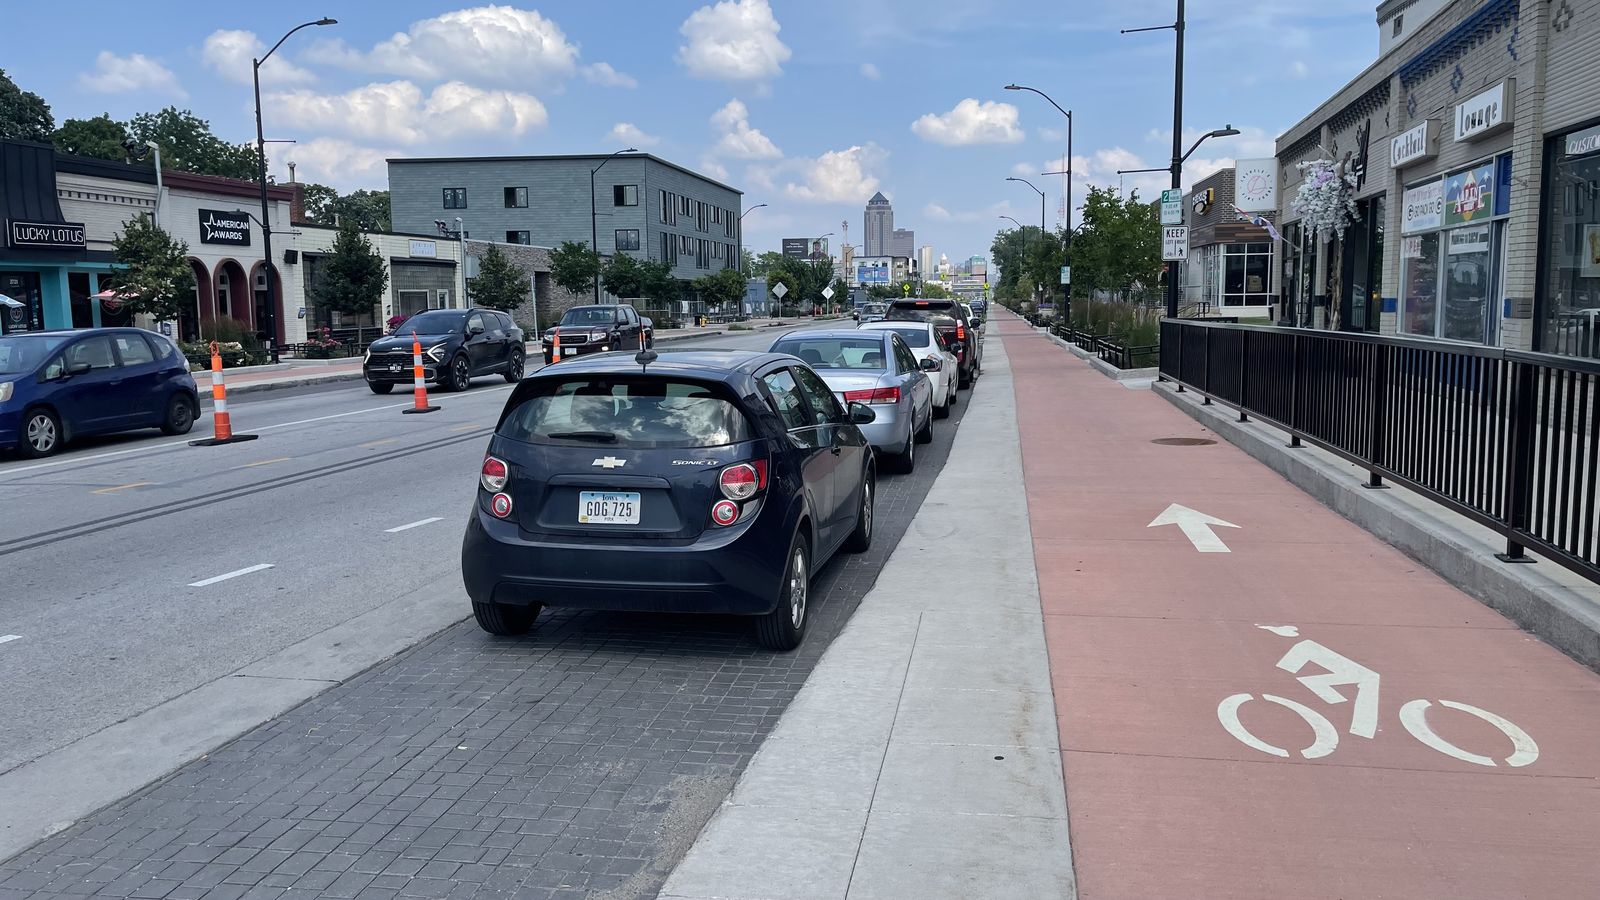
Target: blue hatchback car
693,481
58,385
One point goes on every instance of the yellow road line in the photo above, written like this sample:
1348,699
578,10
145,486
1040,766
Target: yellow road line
460,428
264,462
121,487
369,446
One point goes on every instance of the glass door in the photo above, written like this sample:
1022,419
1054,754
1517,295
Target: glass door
1468,284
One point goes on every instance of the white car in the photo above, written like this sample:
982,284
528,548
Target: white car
926,342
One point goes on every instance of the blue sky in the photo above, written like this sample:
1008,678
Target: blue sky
809,107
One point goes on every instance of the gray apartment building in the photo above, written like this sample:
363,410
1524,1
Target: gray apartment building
643,205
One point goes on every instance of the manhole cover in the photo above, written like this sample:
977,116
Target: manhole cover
1183,442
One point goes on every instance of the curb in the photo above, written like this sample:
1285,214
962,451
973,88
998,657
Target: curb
686,337
1148,373
261,387
1562,615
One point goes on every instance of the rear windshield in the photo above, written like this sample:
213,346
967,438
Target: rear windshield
836,353
590,315
24,354
918,311
617,411
914,337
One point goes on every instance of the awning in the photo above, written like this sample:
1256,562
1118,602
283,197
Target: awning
8,302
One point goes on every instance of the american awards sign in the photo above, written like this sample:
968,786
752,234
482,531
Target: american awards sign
218,226
1256,185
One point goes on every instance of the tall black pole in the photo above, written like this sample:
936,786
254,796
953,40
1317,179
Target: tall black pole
266,220
1177,155
594,233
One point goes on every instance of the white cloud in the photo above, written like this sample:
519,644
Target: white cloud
399,112
739,140
631,135
496,44
734,40
971,122
115,74
936,212
838,176
988,213
868,70
604,75
229,54
1024,169
713,169
336,163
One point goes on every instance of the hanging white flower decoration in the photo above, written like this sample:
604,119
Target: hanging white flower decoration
1326,200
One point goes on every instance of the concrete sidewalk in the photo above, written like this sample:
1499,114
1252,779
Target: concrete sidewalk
920,760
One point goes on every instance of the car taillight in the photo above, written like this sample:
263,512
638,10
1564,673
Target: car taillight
743,481
876,395
961,332
494,475
500,505
725,512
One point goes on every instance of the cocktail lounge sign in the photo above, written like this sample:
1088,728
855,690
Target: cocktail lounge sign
46,235
218,226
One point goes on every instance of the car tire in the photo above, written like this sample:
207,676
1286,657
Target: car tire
785,627
380,387
905,462
924,434
40,435
514,367
503,620
860,540
460,377
181,413
964,380
942,411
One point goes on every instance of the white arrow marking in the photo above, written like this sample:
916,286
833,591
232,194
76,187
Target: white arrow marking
7,638
1196,527
1281,630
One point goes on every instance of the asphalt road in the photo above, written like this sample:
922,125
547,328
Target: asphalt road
110,554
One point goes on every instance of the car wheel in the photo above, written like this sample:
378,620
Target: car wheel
460,374
181,414
963,379
785,627
514,367
924,434
943,410
861,539
41,433
498,618
380,387
906,459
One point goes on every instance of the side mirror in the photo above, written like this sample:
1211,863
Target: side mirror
862,414
931,364
77,369
476,329
957,346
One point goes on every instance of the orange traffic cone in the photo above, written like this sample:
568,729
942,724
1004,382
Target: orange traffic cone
419,387
555,350
221,423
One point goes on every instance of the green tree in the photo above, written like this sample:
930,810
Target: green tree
369,209
748,261
188,145
100,137
320,201
1118,246
656,281
575,267
157,280
622,276
501,283
24,116
765,264
353,279
722,288
934,291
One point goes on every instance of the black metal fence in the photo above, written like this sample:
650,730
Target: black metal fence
1507,438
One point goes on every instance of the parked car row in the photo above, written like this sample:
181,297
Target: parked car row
704,481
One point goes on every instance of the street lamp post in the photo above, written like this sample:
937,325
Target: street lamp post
1014,222
1041,216
814,260
741,233
1068,172
261,173
1177,136
594,228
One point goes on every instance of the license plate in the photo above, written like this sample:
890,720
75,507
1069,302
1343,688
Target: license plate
394,367
608,508
569,351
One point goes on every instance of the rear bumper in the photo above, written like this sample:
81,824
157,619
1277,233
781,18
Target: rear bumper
889,431
569,351
731,571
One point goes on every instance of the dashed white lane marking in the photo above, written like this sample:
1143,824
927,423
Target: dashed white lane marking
7,638
410,525
246,571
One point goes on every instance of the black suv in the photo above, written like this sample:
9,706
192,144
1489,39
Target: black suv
951,318
457,345
598,329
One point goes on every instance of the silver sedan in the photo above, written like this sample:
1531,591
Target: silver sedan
878,369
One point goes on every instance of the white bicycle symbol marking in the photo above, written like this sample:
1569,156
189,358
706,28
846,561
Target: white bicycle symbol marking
1342,670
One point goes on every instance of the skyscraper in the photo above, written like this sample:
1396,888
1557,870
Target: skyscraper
925,261
879,231
903,243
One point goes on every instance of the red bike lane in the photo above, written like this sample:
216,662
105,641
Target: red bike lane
1288,708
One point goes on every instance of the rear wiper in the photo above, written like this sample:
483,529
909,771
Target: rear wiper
599,437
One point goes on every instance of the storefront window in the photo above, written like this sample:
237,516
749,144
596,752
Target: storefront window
1248,275
1419,275
1466,284
1571,284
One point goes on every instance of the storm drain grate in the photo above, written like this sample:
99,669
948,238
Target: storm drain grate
1183,442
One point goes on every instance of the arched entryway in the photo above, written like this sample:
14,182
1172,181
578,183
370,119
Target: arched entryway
260,302
202,308
232,291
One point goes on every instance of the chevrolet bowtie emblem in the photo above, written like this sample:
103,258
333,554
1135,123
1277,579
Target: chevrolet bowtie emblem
609,462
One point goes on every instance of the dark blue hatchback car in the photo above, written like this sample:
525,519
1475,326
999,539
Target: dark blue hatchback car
57,385
696,481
